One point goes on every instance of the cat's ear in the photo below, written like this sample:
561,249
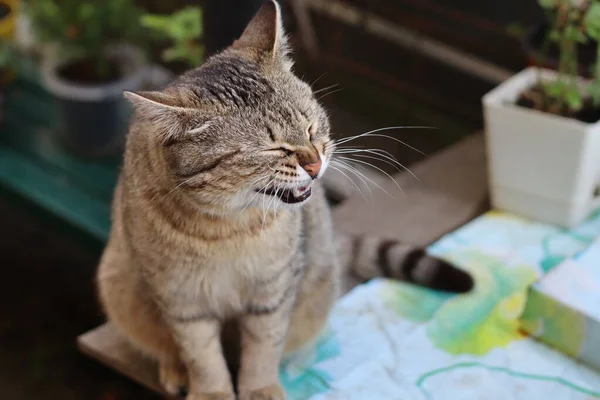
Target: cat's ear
163,110
265,34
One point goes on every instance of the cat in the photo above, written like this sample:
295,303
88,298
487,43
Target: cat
192,252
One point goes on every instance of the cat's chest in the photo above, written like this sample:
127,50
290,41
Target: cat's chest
226,279
251,254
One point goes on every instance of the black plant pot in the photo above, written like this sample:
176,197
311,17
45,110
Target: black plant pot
534,41
92,128
93,118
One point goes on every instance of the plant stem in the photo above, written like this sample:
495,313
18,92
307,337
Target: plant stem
541,57
568,59
596,84
563,68
597,69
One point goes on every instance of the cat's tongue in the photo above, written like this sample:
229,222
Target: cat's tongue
300,191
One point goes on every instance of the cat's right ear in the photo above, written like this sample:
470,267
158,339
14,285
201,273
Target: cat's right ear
265,34
162,110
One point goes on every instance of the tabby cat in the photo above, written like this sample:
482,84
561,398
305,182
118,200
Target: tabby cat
194,267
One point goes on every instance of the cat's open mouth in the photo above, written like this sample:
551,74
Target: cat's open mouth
290,196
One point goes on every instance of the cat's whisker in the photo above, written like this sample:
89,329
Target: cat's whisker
377,168
264,199
273,199
369,179
373,150
176,187
317,80
252,199
277,203
379,159
358,174
343,148
387,128
386,158
373,134
328,93
399,141
325,88
334,166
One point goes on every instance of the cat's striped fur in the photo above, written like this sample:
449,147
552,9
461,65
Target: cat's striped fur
207,254
368,257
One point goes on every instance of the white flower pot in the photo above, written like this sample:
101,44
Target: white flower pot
541,165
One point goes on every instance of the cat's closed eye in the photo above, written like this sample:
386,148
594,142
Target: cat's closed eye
312,130
285,151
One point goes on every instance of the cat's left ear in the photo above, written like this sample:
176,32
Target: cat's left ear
265,35
168,117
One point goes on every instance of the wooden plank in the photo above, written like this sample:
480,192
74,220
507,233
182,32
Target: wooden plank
106,344
451,192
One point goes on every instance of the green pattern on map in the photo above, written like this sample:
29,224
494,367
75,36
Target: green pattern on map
391,340
477,323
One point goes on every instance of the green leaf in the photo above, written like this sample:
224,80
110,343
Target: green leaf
186,24
581,37
592,21
156,22
99,24
574,34
554,35
548,4
574,99
595,93
86,11
174,54
554,89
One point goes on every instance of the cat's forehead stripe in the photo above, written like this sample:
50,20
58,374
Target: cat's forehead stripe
229,81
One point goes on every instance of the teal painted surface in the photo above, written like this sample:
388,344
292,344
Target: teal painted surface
54,193
34,165
301,376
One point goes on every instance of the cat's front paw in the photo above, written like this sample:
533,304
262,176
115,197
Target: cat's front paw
272,392
173,378
211,396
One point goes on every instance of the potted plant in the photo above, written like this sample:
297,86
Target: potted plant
8,53
542,129
90,57
542,51
181,35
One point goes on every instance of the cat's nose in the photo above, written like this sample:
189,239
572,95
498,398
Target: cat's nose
313,169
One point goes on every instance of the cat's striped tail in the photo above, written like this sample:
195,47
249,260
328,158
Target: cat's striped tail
369,257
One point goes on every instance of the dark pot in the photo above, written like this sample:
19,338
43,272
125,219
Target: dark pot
533,42
92,128
93,118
